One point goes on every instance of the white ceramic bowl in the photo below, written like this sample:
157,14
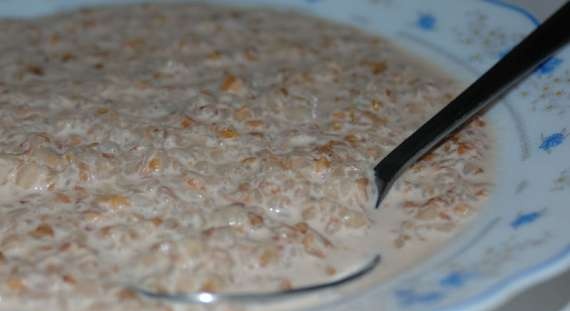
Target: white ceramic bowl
523,234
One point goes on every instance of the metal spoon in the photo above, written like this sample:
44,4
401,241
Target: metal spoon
259,297
543,42
517,64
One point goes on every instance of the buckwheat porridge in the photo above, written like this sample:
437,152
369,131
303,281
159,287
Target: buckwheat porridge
188,147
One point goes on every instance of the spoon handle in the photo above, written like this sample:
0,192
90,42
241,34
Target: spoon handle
520,61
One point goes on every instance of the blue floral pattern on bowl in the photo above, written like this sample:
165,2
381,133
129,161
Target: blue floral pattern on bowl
522,236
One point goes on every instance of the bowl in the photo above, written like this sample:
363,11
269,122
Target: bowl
521,237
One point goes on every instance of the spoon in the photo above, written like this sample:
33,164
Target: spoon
517,64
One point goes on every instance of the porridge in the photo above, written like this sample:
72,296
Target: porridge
187,147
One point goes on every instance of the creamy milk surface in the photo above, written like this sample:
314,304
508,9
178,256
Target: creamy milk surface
189,148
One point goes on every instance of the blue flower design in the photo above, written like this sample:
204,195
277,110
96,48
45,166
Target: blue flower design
549,66
426,21
552,140
525,219
455,279
409,297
